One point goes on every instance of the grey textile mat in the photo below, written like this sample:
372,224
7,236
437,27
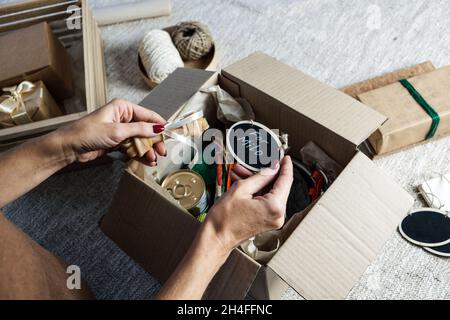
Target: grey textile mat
338,42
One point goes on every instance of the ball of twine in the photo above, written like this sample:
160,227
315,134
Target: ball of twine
192,39
159,55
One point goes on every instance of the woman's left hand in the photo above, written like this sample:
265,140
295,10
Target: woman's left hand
104,129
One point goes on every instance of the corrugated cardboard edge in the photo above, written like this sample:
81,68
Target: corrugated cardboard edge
333,109
318,259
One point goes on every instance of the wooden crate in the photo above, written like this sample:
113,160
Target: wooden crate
18,15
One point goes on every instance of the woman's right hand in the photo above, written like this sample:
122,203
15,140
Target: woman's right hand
239,173
239,214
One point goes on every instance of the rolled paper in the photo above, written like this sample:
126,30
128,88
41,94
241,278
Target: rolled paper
138,147
132,11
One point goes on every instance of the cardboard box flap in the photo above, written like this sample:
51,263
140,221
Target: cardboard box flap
342,234
136,206
334,109
165,100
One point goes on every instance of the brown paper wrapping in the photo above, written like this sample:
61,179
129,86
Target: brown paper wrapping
38,104
355,89
408,123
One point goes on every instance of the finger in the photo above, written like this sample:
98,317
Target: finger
160,149
137,129
235,177
147,115
242,172
150,156
259,181
282,185
144,160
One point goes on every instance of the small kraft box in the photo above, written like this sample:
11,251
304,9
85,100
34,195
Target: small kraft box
325,248
35,54
48,30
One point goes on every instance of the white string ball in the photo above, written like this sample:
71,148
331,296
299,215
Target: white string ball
159,55
192,39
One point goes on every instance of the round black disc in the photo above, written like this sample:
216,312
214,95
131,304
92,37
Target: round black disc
443,251
426,227
254,145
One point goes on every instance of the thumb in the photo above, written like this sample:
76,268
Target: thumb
260,180
139,129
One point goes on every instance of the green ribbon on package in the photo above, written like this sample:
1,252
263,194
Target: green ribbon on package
12,104
424,104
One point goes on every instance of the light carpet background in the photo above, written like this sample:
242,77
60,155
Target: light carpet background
338,42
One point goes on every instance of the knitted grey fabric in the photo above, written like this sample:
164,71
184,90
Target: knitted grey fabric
338,42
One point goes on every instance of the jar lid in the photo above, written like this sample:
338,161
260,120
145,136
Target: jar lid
187,187
253,145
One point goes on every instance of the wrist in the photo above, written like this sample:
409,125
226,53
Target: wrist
63,140
54,148
210,238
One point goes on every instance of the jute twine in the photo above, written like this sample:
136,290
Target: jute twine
192,39
159,55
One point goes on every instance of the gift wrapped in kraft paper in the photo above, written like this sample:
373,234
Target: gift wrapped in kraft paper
25,103
418,109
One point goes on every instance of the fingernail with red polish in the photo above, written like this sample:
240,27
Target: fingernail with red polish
158,128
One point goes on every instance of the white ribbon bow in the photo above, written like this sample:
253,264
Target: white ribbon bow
187,119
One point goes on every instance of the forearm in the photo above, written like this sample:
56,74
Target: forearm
27,165
192,276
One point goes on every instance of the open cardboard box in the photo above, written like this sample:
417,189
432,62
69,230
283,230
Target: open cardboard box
55,12
328,246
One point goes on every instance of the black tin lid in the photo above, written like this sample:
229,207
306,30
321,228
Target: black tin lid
253,145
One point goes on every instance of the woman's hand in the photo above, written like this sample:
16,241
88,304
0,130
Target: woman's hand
239,173
104,129
239,215
242,212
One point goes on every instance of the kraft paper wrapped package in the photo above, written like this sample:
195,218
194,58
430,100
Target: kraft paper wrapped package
27,102
386,79
408,121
